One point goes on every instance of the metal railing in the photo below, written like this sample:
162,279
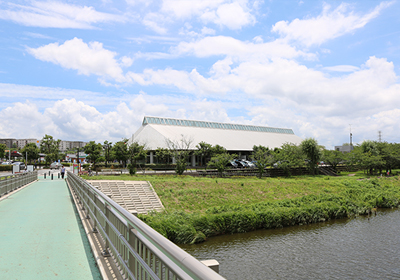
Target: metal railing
138,250
10,183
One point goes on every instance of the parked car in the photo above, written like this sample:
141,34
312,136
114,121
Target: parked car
6,163
232,164
241,164
55,165
20,164
250,164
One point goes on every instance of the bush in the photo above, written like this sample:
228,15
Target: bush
5,167
132,169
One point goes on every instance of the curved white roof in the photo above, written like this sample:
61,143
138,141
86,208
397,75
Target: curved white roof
155,133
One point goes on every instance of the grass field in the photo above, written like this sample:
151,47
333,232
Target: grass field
200,207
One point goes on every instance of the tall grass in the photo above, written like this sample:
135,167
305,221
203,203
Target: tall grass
197,208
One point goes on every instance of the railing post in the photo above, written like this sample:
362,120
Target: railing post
106,252
132,242
94,230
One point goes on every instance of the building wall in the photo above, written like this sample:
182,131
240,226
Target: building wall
21,143
344,149
8,142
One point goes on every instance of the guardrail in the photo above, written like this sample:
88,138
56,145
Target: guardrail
138,250
11,182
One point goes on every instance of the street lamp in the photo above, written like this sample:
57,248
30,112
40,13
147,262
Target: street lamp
77,157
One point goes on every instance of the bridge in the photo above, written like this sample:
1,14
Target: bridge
68,229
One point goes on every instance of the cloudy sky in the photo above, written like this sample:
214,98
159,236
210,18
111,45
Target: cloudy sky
91,70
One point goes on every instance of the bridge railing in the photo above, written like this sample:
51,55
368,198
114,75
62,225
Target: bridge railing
138,250
10,183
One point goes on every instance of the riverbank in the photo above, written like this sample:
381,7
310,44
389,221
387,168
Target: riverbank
197,208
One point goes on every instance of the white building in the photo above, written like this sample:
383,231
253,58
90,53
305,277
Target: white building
23,142
156,132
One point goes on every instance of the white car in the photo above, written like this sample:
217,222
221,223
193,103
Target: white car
55,165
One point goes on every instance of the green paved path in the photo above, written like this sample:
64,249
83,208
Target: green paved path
41,236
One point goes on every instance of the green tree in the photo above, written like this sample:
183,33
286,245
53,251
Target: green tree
180,151
333,158
120,150
136,152
262,157
108,155
50,147
217,150
372,159
31,150
3,147
94,152
354,158
287,157
204,151
312,152
390,153
221,161
163,155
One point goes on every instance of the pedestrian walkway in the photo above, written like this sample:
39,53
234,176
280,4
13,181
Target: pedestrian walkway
41,236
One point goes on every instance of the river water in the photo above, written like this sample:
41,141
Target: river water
357,248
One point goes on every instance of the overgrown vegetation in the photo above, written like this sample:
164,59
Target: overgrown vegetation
197,208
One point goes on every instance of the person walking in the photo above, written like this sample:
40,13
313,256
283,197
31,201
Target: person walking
62,172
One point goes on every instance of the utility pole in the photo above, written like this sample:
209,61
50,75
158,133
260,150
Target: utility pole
351,139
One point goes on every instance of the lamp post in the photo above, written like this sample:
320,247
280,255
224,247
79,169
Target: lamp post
77,158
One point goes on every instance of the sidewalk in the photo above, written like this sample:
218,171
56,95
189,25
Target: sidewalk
41,236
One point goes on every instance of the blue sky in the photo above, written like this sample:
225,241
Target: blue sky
90,70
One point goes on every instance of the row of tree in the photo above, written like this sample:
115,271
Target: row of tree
372,156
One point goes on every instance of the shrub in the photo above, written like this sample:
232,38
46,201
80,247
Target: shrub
5,167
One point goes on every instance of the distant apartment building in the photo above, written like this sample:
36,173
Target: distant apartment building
8,142
23,142
69,145
20,143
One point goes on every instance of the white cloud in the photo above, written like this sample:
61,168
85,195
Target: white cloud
87,59
359,93
70,119
12,93
231,15
168,77
155,22
228,46
56,14
342,68
184,9
328,25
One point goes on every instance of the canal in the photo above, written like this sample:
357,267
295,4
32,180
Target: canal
357,248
